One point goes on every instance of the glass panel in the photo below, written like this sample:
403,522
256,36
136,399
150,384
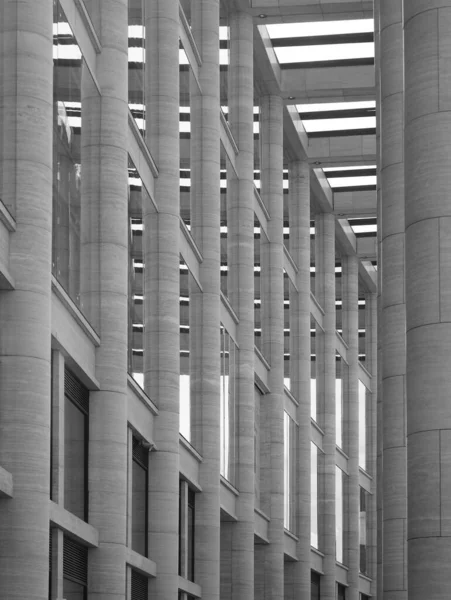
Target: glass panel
315,586
362,425
224,57
312,253
286,330
227,408
185,138
314,496
257,146
362,325
75,459
338,296
72,210
313,368
364,531
136,62
338,400
73,591
290,430
136,193
185,396
225,166
139,508
257,286
339,529
191,540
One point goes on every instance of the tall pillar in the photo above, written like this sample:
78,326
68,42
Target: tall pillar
393,308
325,292
350,315
162,277
272,405
299,192
427,148
206,371
105,185
378,474
26,165
240,239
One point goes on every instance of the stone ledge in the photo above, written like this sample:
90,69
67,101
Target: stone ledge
6,484
69,523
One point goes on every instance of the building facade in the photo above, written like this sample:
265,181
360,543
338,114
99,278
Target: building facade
194,302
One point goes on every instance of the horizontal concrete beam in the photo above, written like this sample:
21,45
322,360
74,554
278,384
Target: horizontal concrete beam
140,563
316,84
69,523
355,204
285,11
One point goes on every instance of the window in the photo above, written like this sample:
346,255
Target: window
139,586
363,531
140,478
75,570
227,406
290,430
315,586
186,531
76,433
314,496
341,592
339,530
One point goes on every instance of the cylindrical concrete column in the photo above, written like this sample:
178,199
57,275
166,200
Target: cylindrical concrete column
205,365
378,476
237,578
162,311
393,309
106,184
325,293
427,148
26,164
350,316
298,585
271,566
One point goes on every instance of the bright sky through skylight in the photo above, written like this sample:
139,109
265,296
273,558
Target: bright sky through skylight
340,124
294,54
285,30
338,182
327,106
327,169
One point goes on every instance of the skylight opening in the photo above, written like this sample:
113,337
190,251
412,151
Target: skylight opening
300,54
285,30
356,168
330,106
339,182
339,124
364,228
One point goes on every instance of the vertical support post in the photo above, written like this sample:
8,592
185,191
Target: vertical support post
25,352
325,292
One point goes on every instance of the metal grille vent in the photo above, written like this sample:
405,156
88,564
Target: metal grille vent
76,391
140,453
75,561
140,590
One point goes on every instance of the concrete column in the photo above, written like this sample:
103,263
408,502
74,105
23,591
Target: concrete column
240,239
350,316
271,560
325,293
377,574
206,370
297,587
427,147
162,320
106,181
26,165
393,309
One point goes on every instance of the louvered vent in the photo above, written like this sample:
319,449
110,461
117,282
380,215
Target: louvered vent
76,391
75,561
140,589
140,454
